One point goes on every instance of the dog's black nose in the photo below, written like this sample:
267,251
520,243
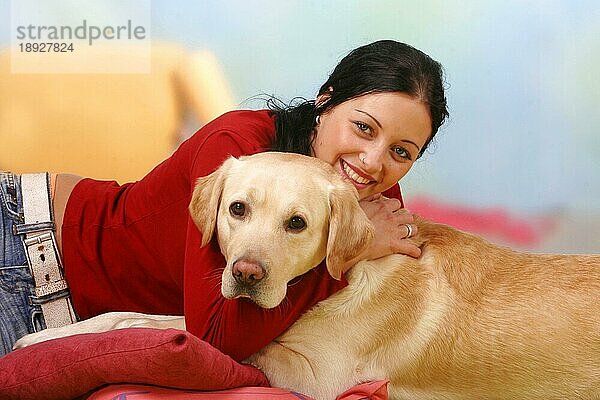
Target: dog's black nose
247,272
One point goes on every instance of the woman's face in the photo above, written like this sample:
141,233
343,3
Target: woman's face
373,140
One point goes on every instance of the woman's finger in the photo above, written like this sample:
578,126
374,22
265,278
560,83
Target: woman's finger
405,247
373,197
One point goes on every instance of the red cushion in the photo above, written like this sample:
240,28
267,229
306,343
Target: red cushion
376,390
69,367
132,392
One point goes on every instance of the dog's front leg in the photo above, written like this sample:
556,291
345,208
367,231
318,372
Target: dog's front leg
103,323
289,369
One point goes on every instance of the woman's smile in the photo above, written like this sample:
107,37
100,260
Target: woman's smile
358,178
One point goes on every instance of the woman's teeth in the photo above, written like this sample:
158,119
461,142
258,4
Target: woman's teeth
353,175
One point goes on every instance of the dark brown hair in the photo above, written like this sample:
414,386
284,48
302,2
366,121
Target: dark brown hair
382,66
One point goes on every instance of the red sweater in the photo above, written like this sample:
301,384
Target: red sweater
134,247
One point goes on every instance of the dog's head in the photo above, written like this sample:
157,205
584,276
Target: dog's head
278,215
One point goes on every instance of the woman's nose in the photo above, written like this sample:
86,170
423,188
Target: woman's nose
372,160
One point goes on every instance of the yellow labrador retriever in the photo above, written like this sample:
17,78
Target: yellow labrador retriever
467,320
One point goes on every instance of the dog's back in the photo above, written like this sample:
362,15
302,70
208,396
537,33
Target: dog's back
468,319
514,325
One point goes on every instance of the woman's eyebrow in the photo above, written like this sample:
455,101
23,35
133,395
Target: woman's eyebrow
372,117
411,142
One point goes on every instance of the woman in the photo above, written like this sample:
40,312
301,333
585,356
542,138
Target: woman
134,247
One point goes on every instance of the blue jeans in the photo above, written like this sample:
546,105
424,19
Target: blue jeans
18,316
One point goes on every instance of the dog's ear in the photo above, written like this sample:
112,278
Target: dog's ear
350,231
206,197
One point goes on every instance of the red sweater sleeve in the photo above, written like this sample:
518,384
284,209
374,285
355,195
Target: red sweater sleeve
237,327
394,191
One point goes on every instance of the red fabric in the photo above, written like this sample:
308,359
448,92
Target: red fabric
134,247
376,390
490,222
133,392
72,366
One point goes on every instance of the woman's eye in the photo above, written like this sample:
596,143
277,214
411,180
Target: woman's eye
296,224
402,153
237,209
366,129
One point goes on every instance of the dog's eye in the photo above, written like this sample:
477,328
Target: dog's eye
237,209
296,223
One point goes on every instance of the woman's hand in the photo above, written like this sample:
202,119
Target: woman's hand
389,221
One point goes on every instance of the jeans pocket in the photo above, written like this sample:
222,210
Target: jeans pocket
10,196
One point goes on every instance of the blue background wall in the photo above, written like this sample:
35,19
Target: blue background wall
522,76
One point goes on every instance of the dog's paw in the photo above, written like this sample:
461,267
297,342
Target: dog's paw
251,361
